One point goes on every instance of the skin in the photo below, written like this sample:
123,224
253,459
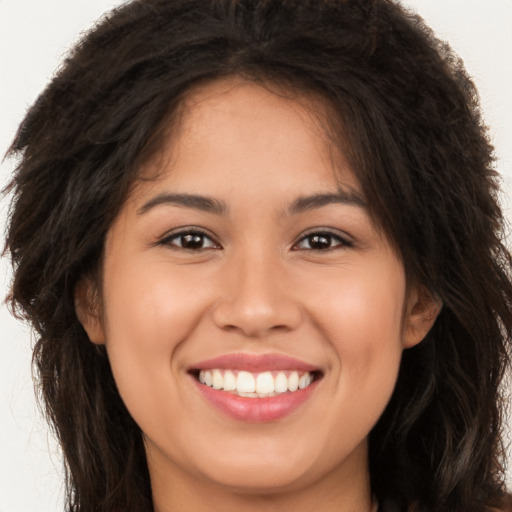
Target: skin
255,286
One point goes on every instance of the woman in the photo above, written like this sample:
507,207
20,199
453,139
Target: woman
260,244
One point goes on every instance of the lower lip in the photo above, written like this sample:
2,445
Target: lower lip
256,410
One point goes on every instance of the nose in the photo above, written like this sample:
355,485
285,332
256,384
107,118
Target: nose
256,298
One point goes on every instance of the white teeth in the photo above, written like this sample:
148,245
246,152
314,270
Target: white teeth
262,384
304,381
245,383
293,381
265,383
229,381
217,380
281,383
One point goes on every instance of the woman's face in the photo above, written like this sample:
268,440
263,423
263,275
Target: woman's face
251,262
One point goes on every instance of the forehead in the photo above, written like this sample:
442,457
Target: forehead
250,127
238,100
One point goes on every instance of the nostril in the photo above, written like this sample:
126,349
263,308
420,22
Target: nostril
256,314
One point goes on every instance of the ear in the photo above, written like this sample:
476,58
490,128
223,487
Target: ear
422,310
88,310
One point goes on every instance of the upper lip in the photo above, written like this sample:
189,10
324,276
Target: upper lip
255,363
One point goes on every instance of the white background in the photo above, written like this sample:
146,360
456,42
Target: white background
34,35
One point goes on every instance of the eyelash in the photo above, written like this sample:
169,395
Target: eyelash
201,236
189,232
341,242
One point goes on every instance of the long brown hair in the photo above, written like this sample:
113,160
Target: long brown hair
409,121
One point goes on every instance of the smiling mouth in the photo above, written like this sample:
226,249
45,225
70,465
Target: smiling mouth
256,385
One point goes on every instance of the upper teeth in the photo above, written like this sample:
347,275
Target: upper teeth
255,384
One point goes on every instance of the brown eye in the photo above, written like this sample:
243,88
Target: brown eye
190,240
322,241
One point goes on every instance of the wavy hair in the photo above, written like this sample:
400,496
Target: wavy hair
409,120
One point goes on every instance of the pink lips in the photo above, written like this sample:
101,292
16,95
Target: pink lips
255,363
250,409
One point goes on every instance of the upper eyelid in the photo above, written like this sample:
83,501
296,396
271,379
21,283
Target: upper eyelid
187,229
325,230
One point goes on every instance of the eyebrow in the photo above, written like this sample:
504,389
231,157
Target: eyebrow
203,203
306,203
212,205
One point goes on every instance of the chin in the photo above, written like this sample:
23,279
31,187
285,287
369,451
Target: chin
261,478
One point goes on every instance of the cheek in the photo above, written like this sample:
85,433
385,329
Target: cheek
150,310
372,322
362,319
362,306
151,307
